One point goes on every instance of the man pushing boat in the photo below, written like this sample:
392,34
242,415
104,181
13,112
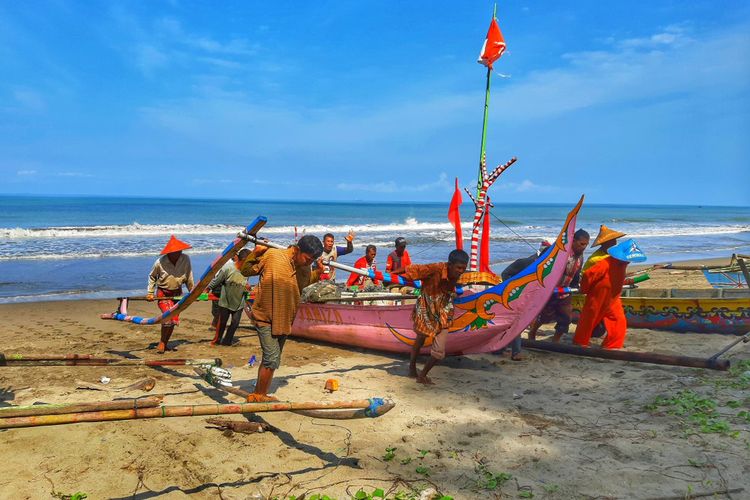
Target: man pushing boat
283,275
433,312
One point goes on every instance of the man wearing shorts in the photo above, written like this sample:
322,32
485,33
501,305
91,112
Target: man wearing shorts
167,276
283,274
433,312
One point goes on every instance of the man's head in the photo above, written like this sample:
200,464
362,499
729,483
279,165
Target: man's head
370,252
457,262
240,257
400,245
309,248
174,256
580,241
328,242
609,244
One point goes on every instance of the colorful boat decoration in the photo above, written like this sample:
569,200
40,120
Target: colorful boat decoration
485,320
683,310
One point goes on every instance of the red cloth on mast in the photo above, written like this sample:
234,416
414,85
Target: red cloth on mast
484,249
454,216
494,45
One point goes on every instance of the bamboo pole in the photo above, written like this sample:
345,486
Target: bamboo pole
64,408
640,357
375,407
90,360
336,414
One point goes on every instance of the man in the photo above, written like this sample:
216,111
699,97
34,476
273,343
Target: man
606,239
332,252
559,308
283,275
368,263
433,312
602,284
231,301
516,267
399,259
169,273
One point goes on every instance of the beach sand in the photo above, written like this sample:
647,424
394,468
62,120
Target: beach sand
560,426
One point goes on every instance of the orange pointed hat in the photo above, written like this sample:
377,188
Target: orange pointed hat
606,234
174,245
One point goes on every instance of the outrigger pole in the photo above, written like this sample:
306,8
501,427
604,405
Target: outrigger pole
89,360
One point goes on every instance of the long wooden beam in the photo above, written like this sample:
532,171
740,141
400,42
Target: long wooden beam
640,357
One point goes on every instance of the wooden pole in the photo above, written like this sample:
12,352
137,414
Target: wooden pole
640,357
337,414
745,272
89,360
374,407
59,409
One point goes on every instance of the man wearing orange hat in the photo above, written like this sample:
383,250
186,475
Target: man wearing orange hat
606,239
602,283
169,273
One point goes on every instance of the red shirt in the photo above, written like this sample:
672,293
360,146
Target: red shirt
395,262
359,280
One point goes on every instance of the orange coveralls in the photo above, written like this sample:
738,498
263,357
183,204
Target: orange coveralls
602,284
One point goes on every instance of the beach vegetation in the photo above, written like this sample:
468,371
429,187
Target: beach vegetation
390,453
697,413
488,480
424,470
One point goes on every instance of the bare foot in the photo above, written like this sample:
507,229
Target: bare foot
413,372
161,348
424,380
556,337
517,357
260,398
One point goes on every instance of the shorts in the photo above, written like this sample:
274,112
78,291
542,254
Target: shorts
166,305
271,346
437,349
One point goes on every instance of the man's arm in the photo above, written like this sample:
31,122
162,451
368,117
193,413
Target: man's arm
190,281
253,263
349,248
218,279
152,277
420,271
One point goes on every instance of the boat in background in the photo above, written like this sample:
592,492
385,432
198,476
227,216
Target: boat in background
735,275
704,310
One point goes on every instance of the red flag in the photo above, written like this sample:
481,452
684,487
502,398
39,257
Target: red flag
484,249
454,216
494,45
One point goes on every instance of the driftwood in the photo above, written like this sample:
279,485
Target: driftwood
64,408
244,427
89,360
145,385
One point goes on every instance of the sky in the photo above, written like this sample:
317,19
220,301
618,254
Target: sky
625,102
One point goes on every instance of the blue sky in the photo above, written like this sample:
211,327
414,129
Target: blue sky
627,102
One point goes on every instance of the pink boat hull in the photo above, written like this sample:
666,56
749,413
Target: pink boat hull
484,321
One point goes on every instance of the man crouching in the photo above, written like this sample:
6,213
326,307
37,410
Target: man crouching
433,312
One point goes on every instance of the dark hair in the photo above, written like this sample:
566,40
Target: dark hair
458,257
328,235
370,247
581,233
242,254
310,245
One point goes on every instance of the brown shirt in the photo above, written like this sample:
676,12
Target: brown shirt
170,276
277,295
433,311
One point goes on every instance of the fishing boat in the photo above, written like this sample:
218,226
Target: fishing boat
486,318
735,275
684,310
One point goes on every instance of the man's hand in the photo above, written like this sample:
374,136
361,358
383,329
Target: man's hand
321,263
349,237
150,297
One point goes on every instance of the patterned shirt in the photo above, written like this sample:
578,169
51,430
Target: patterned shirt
277,295
170,276
433,311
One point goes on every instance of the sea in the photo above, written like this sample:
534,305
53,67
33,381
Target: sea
63,248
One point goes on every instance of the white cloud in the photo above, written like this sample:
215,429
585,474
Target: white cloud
441,184
26,172
29,99
73,174
525,186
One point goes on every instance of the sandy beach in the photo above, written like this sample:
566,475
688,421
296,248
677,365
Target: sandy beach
552,426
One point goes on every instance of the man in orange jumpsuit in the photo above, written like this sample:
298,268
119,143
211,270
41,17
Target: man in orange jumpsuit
602,284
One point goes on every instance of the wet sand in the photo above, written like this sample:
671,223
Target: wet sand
560,426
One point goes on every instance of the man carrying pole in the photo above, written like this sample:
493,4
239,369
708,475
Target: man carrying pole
283,274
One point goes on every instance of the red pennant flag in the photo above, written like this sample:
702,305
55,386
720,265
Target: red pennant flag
454,216
494,45
484,249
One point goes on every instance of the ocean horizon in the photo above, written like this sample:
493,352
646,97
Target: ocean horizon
70,247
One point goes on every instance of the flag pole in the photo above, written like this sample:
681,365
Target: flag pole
483,152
